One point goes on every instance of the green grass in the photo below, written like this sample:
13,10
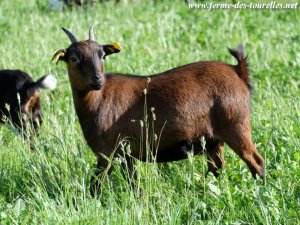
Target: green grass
42,187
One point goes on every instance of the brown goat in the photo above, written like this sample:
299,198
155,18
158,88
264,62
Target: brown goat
202,99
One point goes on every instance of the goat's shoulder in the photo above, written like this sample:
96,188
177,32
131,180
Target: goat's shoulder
124,85
122,80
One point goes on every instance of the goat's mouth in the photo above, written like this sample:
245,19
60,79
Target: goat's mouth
96,85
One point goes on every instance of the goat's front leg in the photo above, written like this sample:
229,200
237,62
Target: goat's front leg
103,169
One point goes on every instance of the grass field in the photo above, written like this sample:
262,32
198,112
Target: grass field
41,187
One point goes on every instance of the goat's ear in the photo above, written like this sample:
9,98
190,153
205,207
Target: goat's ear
111,49
59,55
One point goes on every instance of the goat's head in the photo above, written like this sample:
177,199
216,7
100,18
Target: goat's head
85,61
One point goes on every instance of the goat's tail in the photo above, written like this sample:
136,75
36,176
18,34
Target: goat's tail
242,67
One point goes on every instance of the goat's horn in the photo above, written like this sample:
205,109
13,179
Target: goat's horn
71,36
91,33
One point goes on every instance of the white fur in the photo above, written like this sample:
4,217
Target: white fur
49,82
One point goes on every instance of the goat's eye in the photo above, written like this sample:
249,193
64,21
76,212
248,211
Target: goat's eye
74,59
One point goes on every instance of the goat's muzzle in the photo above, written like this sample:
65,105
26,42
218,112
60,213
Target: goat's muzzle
96,83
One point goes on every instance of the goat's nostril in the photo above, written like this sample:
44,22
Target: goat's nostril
96,78
96,82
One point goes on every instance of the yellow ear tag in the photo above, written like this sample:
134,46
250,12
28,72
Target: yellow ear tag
57,56
117,46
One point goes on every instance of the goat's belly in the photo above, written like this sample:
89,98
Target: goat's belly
182,150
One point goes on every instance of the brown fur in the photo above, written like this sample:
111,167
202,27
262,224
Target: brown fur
202,99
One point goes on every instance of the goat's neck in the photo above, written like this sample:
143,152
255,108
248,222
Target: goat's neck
86,102
86,106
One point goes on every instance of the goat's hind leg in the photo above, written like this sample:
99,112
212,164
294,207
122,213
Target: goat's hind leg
239,139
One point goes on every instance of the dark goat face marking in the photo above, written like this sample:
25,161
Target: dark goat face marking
85,61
